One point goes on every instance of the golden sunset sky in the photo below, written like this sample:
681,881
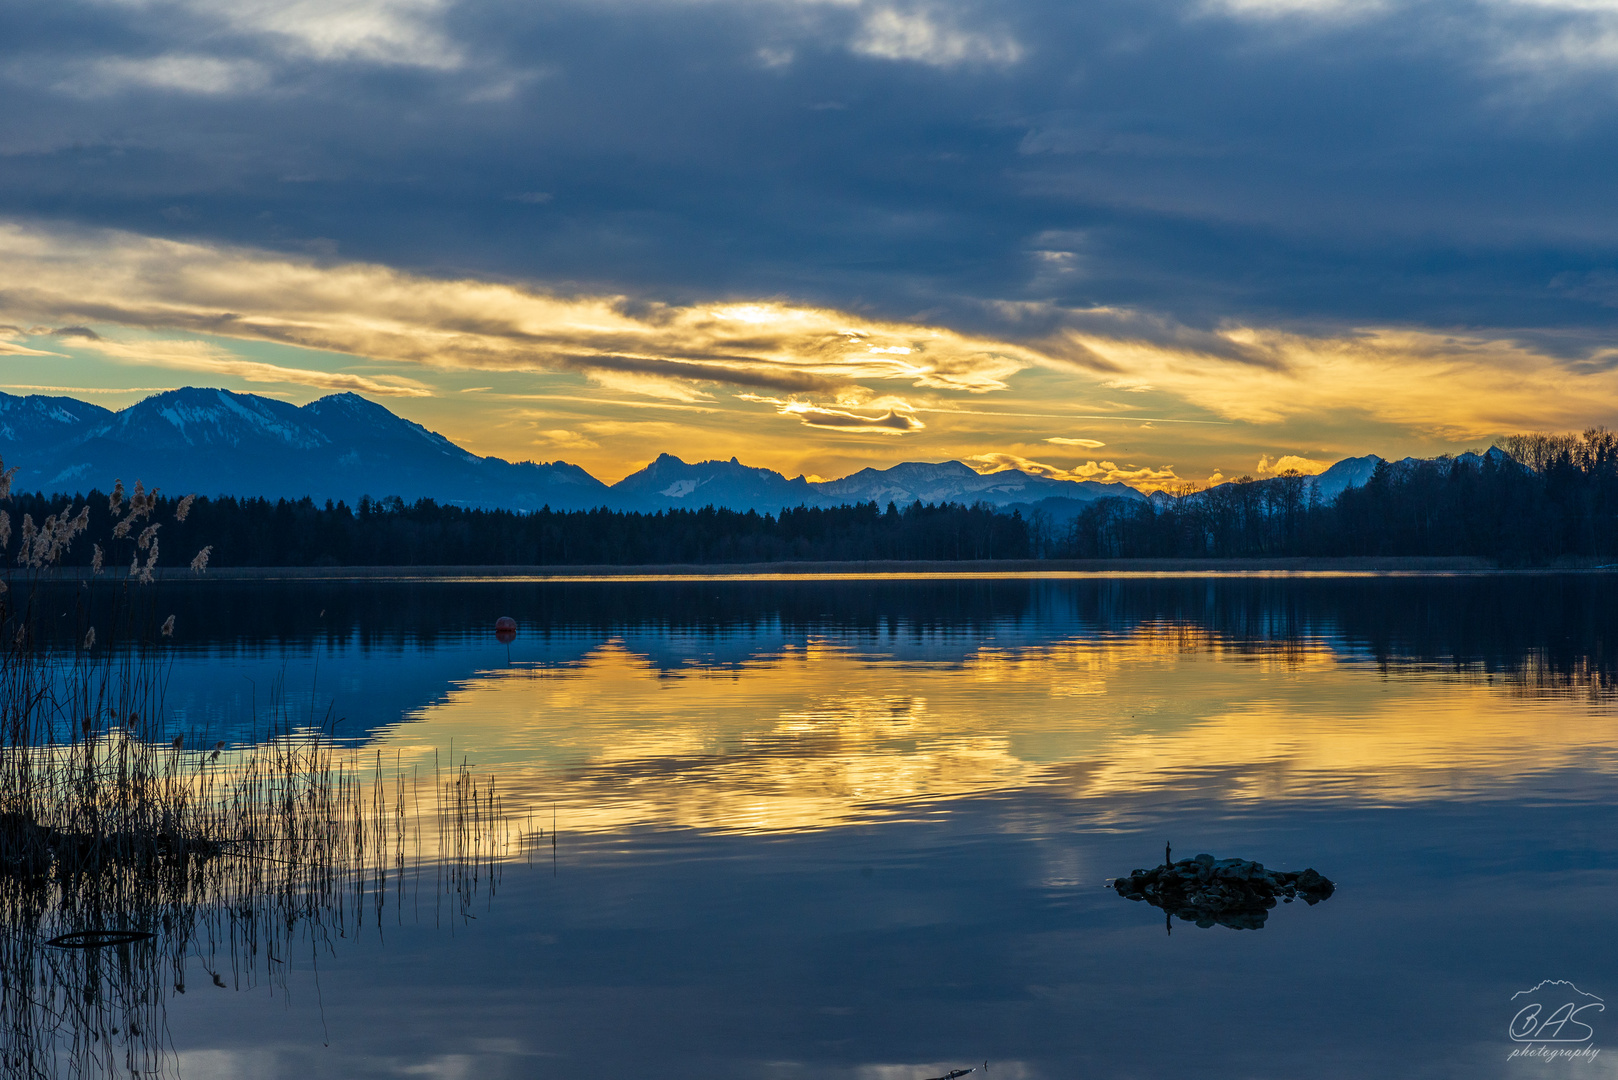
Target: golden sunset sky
520,372
1161,243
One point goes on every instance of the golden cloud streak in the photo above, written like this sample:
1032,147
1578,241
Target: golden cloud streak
839,371
1455,386
383,314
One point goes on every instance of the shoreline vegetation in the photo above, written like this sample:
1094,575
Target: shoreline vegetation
132,853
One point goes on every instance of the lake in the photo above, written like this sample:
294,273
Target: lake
866,828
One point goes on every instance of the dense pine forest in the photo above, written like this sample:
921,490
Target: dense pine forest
391,532
1547,498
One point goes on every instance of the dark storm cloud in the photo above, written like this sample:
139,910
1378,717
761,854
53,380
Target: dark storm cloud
1016,166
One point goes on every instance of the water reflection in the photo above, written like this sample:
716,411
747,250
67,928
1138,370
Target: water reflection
824,734
788,705
1562,624
865,830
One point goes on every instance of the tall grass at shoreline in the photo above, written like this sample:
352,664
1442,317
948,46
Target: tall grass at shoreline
129,857
315,844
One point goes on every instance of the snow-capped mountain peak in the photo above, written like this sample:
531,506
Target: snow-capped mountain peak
344,446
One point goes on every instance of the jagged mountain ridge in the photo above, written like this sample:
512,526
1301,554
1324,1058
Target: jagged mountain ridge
668,481
344,446
220,442
41,421
955,482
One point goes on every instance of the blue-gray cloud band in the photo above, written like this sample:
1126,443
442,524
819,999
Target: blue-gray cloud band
1439,164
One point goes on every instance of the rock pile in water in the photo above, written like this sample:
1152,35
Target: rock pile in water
1230,892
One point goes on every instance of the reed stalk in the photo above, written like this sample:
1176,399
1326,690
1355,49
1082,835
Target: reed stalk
129,858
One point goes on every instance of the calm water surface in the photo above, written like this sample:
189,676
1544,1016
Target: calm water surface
864,829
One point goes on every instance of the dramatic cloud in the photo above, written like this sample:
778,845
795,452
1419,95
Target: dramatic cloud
1285,162
372,311
121,296
790,229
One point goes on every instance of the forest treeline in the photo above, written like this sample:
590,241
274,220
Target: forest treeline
1545,498
392,532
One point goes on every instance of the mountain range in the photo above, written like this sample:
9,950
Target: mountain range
343,446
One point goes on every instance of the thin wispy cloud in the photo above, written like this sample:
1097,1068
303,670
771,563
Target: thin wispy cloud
11,348
892,422
80,391
386,32
211,360
187,74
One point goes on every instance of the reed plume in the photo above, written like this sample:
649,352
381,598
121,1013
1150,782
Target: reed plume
123,853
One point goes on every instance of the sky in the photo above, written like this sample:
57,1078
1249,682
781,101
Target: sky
1163,242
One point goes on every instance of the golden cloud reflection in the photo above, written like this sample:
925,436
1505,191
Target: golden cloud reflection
824,734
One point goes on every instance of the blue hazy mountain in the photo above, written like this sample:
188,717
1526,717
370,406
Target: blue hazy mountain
669,482
219,442
951,481
36,422
1349,473
345,446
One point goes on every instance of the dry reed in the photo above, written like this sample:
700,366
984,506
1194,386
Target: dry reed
127,856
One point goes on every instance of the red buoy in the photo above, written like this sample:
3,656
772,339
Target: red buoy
505,629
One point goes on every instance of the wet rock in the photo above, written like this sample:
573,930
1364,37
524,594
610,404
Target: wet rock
1227,892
